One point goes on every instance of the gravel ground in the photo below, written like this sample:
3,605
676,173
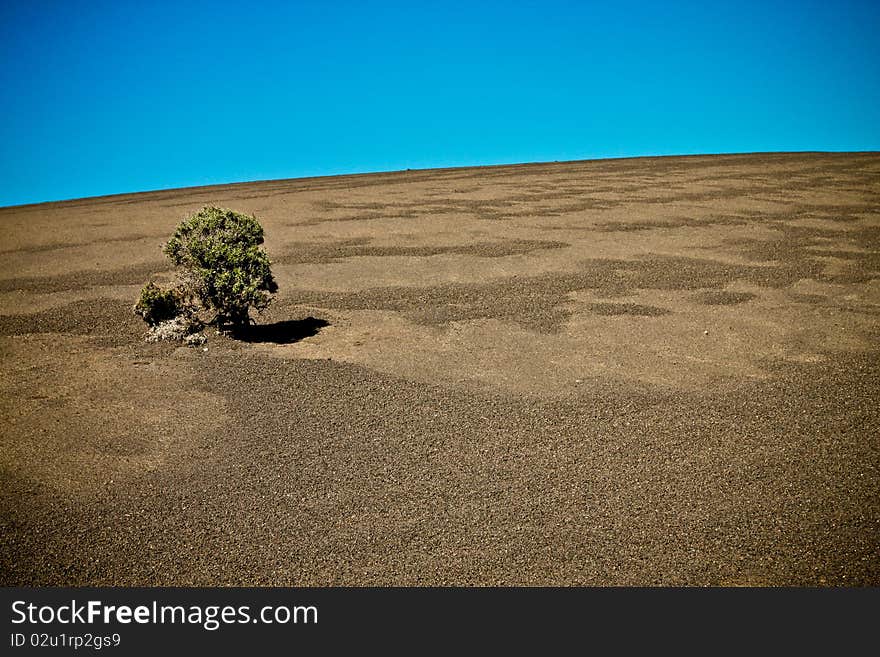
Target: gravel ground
640,372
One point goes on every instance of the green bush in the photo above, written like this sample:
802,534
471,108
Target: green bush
226,269
156,305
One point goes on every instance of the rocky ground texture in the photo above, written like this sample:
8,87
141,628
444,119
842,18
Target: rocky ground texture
658,371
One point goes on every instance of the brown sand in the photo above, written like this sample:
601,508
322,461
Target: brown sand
649,371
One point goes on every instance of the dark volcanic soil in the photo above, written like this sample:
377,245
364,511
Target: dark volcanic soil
652,371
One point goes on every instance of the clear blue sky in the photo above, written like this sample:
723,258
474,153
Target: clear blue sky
120,96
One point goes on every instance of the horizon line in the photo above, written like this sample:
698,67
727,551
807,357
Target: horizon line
354,174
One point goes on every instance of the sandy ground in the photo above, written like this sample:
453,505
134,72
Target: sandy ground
653,371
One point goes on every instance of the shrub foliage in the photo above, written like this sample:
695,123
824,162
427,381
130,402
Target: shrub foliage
225,267
225,273
156,305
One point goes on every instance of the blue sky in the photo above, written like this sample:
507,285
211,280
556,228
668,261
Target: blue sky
110,97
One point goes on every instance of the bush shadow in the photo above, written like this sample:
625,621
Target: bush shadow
286,332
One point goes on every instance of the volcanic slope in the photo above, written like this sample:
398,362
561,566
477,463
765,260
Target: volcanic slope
657,371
